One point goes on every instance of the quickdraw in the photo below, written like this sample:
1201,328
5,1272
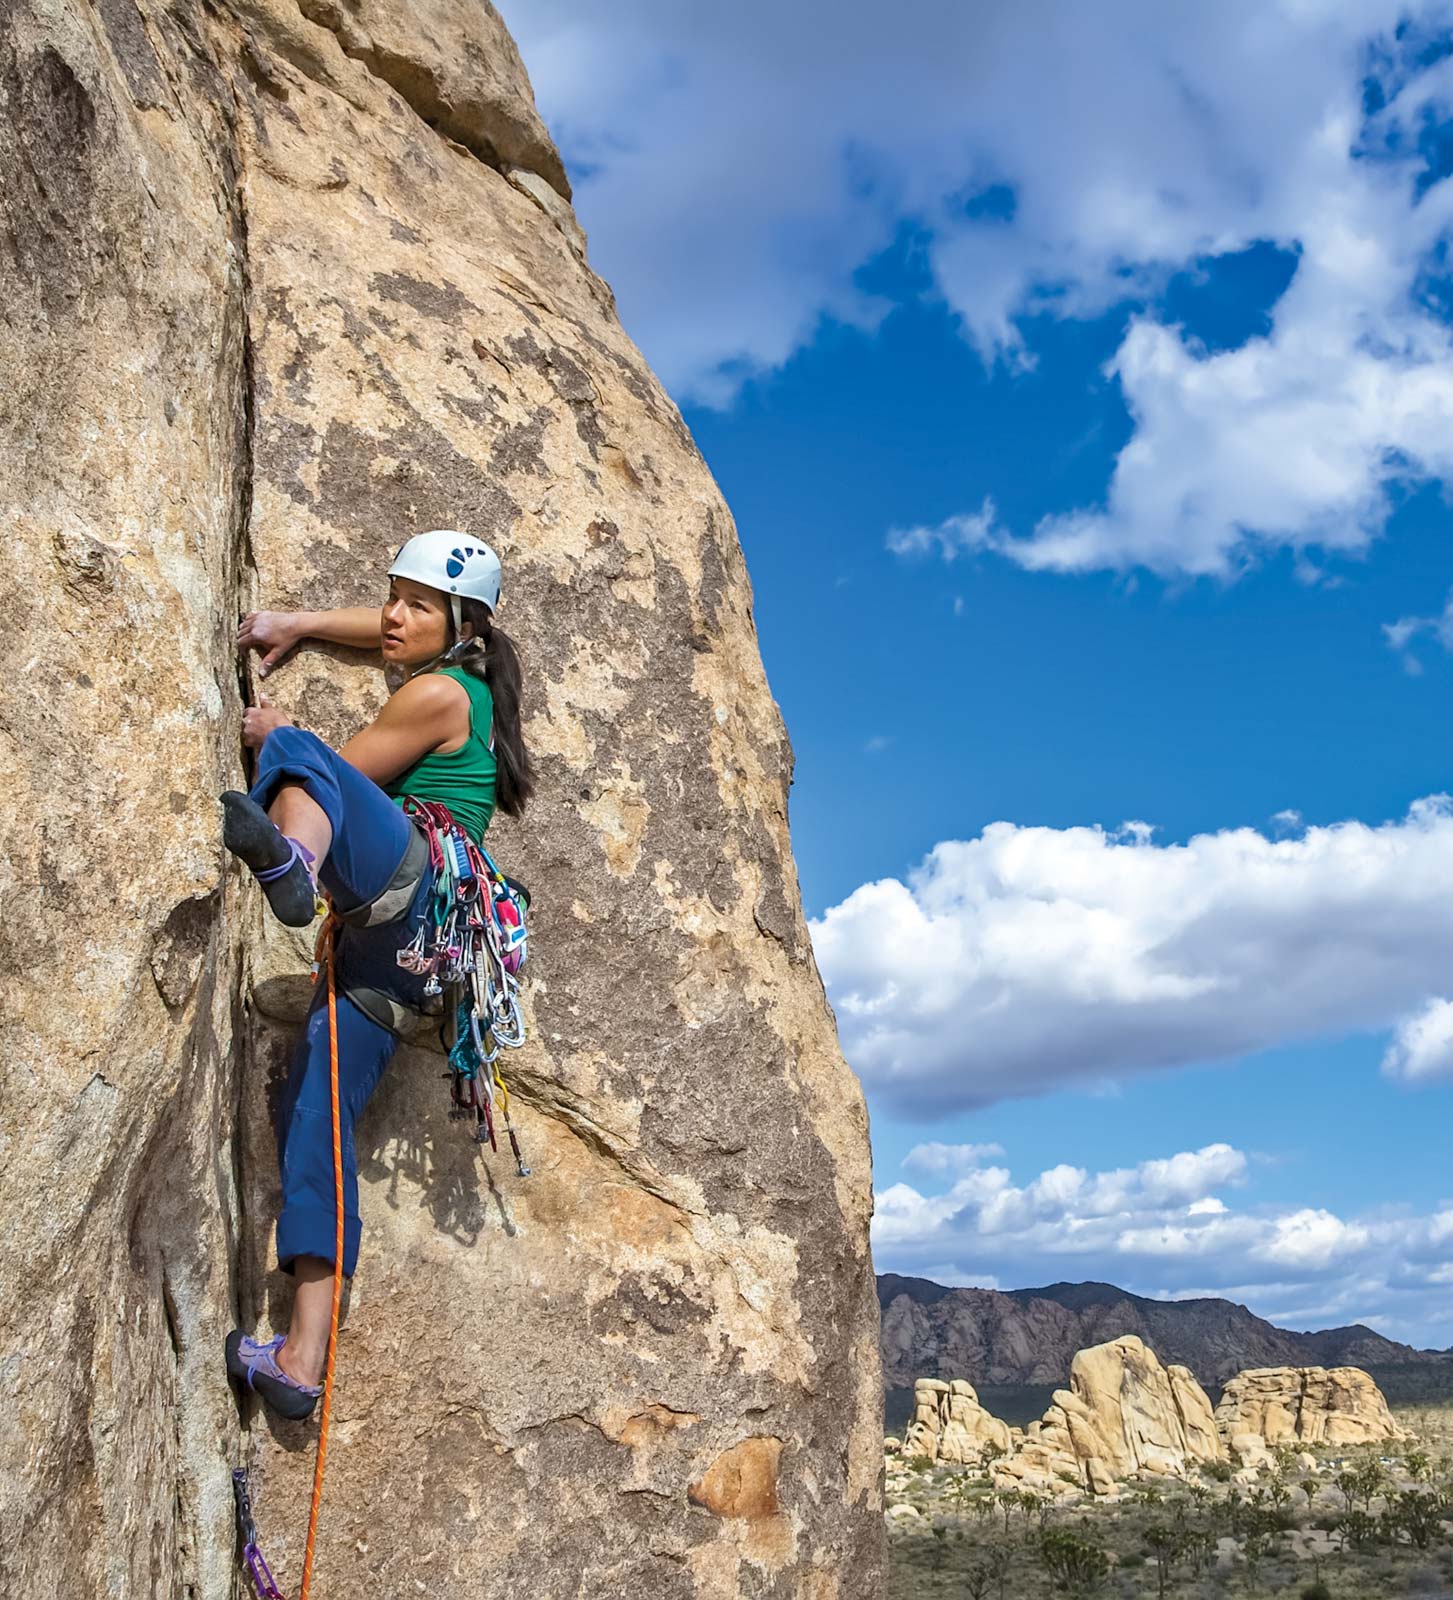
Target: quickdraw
472,942
252,1558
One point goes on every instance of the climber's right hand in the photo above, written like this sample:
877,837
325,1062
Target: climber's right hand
272,634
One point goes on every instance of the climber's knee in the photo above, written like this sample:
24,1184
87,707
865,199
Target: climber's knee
288,743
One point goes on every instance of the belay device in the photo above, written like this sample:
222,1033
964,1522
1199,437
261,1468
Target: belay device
472,944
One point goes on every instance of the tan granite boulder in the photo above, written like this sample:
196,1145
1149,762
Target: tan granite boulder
1124,1414
949,1424
284,282
1250,1450
1306,1405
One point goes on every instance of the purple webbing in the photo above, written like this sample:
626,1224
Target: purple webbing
261,1574
297,852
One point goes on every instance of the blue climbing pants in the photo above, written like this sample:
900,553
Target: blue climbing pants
370,835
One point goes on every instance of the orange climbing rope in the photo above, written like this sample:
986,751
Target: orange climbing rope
327,942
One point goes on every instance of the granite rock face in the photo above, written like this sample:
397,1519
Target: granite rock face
1304,1405
286,283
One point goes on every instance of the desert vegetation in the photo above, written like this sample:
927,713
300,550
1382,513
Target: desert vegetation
1327,1522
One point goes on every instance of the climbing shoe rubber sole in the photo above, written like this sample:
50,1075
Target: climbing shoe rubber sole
257,1369
252,836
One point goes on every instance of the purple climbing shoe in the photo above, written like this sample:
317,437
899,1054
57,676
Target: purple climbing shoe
255,1366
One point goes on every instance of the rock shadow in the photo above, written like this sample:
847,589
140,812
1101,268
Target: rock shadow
409,1149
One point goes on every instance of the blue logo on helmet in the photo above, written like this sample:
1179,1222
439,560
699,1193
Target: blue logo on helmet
455,564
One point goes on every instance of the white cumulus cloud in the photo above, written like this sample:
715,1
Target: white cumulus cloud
1030,958
1160,1229
936,1157
953,537
1422,1046
737,165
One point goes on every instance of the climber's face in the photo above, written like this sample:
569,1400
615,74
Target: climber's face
415,623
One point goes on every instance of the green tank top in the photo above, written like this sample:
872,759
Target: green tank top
463,779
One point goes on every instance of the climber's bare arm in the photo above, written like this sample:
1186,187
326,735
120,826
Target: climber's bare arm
274,633
428,713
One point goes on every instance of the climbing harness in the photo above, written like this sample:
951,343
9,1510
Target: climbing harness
470,946
252,1558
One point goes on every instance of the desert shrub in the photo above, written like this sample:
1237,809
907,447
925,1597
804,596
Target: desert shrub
1198,1545
1314,1591
1076,1565
1217,1471
938,1551
1359,1529
1416,1515
1168,1547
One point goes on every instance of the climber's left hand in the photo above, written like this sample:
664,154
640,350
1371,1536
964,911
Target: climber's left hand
258,721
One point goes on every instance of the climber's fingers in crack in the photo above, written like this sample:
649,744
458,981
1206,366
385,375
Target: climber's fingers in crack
273,634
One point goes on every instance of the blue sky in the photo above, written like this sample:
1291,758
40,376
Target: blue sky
1084,397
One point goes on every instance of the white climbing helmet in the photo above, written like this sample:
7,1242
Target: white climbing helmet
457,563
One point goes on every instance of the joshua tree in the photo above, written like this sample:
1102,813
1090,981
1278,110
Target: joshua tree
977,1580
961,1490
1369,1479
1008,1499
1419,1514
1076,1566
1001,1560
1032,1504
1358,1526
1198,1545
1346,1483
1166,1546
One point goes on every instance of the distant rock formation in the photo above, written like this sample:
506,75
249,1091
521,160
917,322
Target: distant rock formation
949,1424
1304,1405
1124,1413
1031,1335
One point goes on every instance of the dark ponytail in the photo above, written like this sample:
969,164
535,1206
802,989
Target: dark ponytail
498,664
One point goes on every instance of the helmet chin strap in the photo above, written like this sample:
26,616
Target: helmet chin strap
458,613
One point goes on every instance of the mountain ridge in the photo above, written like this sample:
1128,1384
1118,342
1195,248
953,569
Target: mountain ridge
1030,1336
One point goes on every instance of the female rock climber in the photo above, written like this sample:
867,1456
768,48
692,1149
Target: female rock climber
316,816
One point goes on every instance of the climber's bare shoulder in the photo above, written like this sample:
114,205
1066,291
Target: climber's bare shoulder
430,713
